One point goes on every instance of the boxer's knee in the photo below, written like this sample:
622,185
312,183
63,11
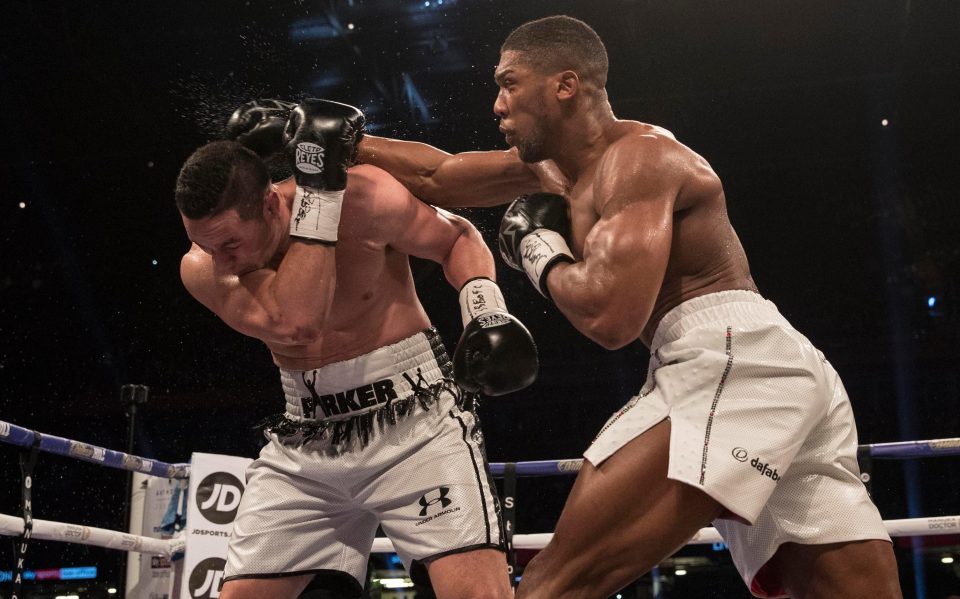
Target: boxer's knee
479,574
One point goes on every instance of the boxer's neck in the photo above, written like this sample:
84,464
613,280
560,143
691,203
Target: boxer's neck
582,140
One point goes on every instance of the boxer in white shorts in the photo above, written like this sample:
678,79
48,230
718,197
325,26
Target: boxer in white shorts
413,463
622,225
760,422
378,427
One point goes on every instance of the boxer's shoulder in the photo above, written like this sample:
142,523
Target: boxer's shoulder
196,273
365,179
374,193
632,141
641,162
638,152
194,263
631,129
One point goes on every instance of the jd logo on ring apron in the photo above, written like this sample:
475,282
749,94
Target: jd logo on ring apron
216,485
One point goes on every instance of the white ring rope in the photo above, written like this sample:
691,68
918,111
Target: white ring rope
111,539
909,527
88,535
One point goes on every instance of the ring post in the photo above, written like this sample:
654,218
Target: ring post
130,396
510,517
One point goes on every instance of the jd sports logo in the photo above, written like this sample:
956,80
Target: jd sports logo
309,157
219,496
441,499
206,578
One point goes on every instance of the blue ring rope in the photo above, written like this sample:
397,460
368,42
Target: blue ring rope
16,435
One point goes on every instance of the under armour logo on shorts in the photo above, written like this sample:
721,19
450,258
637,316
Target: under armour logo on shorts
442,500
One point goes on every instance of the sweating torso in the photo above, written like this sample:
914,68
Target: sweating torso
705,254
375,302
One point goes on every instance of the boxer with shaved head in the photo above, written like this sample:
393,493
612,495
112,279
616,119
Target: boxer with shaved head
742,421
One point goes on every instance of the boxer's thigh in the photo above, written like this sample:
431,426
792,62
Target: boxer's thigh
620,520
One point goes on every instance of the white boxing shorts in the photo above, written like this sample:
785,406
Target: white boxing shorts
759,421
381,439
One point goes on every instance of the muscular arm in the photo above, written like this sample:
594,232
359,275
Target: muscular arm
414,228
610,295
451,180
286,306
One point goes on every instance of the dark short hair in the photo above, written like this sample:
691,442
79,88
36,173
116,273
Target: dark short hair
219,176
558,43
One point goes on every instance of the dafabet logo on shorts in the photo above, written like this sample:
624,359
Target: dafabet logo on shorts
739,454
742,455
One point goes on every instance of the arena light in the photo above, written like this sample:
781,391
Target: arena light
74,573
23,204
111,591
884,122
680,572
947,559
81,573
395,583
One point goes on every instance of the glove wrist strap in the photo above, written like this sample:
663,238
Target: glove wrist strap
480,296
315,214
539,252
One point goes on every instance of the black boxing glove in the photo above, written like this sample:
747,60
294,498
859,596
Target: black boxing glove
533,236
496,354
320,138
259,125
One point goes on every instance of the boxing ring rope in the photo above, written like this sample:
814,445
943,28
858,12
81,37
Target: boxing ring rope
24,437
112,539
48,530
909,527
75,533
894,451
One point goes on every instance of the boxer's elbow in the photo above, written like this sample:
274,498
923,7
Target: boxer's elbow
609,335
289,330
611,328
305,335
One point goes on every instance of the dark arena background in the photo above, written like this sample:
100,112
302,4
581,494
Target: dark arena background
834,126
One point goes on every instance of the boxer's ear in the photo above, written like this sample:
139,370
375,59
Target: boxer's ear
567,85
271,203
